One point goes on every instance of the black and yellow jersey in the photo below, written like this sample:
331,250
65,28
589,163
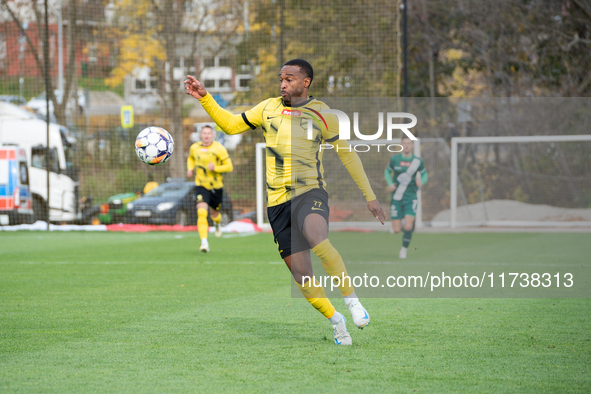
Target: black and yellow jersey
293,158
199,158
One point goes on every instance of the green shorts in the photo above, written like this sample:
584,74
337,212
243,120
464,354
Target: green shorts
405,207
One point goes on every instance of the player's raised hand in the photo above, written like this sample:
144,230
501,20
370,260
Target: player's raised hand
194,88
376,209
392,187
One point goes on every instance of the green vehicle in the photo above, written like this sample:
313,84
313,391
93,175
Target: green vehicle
115,209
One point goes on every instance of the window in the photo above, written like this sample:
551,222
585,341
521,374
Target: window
24,173
244,82
209,83
208,62
140,84
225,83
223,62
38,159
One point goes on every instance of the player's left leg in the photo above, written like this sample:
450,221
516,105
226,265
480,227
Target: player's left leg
410,210
315,230
300,266
214,210
216,216
409,224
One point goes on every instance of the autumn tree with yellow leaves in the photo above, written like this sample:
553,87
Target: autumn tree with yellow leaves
153,34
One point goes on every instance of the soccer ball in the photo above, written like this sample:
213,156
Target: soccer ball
154,145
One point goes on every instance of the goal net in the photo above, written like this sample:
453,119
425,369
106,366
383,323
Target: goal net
519,181
500,181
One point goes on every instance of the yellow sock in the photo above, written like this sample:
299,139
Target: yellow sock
333,265
217,219
317,297
202,223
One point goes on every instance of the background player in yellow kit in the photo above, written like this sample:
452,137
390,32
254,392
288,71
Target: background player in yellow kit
207,160
297,200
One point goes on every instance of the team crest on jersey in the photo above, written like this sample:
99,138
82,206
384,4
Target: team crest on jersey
304,123
291,112
405,163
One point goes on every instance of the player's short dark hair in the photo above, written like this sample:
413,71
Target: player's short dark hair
404,136
304,66
207,126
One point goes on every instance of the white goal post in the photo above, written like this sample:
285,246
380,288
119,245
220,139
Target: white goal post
496,140
260,176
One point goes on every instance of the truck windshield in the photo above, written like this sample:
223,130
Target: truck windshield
71,168
38,159
69,152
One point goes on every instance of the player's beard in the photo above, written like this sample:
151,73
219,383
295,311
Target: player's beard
289,99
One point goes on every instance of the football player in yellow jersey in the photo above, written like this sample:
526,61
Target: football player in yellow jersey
297,201
208,160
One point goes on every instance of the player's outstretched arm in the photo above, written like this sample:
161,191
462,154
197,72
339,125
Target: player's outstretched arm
228,122
194,88
376,210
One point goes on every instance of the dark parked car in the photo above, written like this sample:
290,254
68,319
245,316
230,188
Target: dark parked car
172,203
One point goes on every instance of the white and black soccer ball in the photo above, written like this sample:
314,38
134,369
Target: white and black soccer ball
154,145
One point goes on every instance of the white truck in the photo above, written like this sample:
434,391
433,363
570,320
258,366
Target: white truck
20,127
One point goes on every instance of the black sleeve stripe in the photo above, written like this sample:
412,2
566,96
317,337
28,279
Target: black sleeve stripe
247,122
333,139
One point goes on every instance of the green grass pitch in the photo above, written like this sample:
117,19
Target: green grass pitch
116,312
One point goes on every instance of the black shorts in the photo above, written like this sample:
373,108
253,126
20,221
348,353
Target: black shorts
287,220
213,197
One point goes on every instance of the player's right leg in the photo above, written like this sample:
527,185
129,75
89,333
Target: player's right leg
202,225
396,225
396,215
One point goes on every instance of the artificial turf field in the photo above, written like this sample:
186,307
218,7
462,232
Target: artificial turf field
122,312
